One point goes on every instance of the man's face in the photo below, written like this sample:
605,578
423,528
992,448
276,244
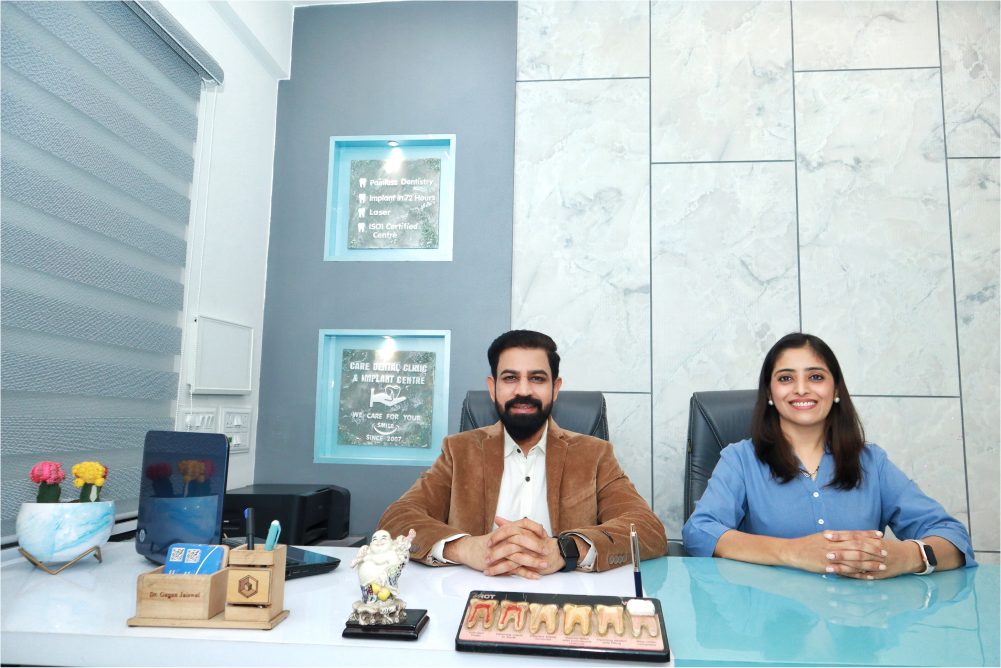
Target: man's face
381,541
523,390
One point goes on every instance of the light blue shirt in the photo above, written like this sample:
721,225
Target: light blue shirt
742,495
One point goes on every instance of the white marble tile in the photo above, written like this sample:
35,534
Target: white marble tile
581,264
924,438
724,290
859,35
985,558
874,228
971,60
629,431
975,190
721,81
583,40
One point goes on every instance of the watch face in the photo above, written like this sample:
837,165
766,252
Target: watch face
930,554
569,547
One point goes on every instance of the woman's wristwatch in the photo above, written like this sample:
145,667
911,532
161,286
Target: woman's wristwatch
927,555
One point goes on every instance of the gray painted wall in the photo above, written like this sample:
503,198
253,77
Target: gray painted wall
371,69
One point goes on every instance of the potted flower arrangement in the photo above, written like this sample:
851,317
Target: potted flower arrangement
48,530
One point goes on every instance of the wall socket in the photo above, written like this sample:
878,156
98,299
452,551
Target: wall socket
236,427
205,420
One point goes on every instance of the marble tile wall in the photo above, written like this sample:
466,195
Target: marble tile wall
767,168
971,34
725,290
581,266
721,81
875,264
974,189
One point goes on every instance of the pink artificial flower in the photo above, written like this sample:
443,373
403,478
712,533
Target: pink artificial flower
48,472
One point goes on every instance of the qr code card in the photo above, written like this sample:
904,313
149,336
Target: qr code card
195,559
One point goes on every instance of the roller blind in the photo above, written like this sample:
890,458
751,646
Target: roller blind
98,121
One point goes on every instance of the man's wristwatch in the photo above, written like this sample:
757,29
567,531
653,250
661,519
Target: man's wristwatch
927,554
569,551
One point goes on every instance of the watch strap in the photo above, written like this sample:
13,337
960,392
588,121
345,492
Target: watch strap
571,560
929,569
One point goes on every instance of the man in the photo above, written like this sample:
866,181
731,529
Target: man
524,497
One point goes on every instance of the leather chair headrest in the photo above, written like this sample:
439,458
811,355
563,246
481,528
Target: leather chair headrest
581,412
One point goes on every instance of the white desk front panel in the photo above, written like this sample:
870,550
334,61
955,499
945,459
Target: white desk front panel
78,618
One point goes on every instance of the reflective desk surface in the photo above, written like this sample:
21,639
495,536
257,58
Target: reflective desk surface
716,612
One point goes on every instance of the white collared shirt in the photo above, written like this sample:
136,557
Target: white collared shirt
523,493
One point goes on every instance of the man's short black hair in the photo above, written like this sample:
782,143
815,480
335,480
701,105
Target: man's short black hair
524,338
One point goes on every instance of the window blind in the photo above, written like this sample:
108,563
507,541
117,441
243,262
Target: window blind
98,117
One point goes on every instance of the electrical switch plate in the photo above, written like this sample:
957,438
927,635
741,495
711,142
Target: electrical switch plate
205,420
236,427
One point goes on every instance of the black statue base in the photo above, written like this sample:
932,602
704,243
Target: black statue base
408,629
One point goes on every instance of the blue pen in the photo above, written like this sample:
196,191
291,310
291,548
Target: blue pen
273,533
249,515
634,548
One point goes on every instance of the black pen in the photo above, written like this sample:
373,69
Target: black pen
248,514
634,549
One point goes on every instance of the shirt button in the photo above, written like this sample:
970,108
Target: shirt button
528,479
820,521
816,494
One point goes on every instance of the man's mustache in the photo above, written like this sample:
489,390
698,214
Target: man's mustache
522,401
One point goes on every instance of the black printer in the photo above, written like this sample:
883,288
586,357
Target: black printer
308,513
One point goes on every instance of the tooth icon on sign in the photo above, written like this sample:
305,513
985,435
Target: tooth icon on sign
361,228
361,212
362,182
361,198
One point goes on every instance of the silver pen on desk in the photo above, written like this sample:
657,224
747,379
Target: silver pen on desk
634,549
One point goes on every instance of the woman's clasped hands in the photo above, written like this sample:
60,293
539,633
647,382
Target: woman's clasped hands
864,555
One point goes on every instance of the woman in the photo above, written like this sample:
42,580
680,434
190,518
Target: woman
807,491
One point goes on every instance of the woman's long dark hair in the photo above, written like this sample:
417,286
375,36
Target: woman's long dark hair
845,435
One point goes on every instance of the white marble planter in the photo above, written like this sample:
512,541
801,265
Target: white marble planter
63,531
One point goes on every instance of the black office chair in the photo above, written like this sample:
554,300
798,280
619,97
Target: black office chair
580,412
715,420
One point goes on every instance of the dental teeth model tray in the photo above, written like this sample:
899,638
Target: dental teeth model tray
593,627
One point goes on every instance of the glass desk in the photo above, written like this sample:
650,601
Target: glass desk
722,612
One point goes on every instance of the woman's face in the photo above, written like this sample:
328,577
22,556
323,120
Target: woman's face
802,387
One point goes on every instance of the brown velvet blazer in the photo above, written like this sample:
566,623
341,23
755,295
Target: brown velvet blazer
588,493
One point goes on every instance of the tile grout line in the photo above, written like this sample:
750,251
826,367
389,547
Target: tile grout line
518,81
870,69
907,396
952,262
649,72
795,169
715,162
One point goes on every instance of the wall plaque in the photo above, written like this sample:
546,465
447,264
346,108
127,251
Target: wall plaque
390,198
394,203
386,398
381,396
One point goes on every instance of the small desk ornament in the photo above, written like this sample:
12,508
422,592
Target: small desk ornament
379,612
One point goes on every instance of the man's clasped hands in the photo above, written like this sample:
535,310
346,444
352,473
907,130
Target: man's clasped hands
522,548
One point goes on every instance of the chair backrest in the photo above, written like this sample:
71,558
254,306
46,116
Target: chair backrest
581,412
715,420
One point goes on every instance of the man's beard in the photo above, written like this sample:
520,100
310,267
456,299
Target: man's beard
523,425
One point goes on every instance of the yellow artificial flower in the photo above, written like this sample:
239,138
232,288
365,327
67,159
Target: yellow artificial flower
89,473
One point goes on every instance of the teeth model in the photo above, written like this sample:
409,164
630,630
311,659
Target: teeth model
576,614
642,614
513,612
540,613
610,615
480,609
